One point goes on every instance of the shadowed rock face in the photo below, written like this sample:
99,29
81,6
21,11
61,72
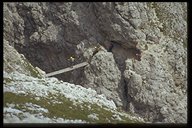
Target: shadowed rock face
138,54
150,82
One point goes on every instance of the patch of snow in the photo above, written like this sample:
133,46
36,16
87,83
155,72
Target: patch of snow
56,102
129,116
10,105
11,115
6,75
37,98
24,84
11,110
21,92
28,84
34,107
8,118
93,116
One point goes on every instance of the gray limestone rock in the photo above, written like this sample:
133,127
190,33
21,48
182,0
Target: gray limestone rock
155,87
15,62
104,73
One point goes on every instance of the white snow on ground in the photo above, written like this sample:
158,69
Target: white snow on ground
93,116
34,107
11,116
22,84
42,87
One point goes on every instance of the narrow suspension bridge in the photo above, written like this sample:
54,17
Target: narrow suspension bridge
67,69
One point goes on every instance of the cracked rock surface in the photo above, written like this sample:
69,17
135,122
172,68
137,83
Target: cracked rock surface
109,35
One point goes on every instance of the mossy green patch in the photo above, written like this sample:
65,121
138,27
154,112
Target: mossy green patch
30,68
59,106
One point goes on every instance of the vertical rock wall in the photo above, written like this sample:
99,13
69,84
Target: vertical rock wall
48,34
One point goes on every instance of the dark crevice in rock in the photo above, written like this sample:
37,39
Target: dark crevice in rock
121,53
120,61
46,57
29,22
125,97
48,33
123,86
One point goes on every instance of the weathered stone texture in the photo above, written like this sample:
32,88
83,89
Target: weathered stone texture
47,34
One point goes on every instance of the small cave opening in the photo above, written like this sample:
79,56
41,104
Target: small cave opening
51,58
121,53
123,86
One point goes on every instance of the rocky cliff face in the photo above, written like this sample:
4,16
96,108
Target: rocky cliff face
30,97
137,52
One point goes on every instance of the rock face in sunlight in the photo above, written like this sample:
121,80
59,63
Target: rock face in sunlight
103,75
30,99
137,55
